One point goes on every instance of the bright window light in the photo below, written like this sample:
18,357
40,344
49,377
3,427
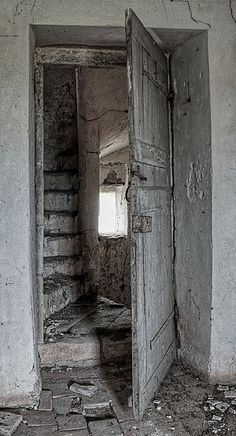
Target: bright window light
107,213
112,212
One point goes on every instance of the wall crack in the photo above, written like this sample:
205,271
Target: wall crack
191,13
231,11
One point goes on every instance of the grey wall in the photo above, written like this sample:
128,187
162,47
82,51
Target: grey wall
192,198
19,376
102,125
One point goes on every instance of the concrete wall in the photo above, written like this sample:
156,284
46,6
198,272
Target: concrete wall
192,198
19,375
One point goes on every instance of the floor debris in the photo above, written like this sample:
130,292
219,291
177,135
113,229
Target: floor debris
190,409
9,422
222,407
88,390
222,388
231,393
99,410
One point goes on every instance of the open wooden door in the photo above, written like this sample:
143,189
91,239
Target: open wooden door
150,196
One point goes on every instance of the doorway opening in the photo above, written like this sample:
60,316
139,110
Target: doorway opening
102,173
85,260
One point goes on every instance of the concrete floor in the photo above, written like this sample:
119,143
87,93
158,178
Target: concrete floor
185,405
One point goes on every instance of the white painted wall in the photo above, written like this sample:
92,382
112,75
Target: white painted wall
18,368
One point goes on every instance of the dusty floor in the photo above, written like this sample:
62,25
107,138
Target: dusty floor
87,333
185,405
85,318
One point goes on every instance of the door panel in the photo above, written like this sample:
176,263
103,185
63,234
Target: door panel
150,196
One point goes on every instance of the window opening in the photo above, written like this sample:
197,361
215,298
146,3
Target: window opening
112,211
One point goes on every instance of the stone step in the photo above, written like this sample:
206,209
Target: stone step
59,291
85,350
64,223
69,266
60,158
60,201
61,245
55,181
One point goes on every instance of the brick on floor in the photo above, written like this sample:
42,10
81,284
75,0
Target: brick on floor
62,405
105,427
59,390
9,422
37,418
71,422
45,402
24,430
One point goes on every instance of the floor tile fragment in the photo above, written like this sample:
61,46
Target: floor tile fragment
71,422
45,402
105,427
9,422
62,405
38,418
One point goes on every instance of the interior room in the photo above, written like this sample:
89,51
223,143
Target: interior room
86,255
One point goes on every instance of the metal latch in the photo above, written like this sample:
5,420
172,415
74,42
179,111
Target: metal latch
138,173
141,224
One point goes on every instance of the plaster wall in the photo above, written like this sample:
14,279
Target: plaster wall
102,125
192,199
19,375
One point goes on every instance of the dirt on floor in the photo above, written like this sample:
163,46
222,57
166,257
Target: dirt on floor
97,401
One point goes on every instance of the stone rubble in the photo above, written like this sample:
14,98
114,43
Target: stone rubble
98,410
88,390
231,393
179,409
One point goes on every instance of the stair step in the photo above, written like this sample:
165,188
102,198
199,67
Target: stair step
61,245
60,181
85,351
69,266
60,201
60,223
59,291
